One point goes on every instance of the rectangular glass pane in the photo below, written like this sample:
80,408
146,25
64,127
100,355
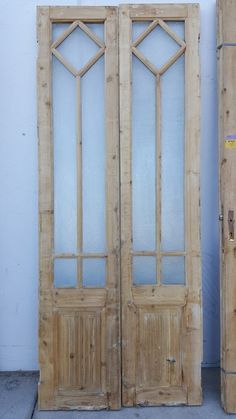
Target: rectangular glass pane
143,157
94,272
64,151
94,162
172,168
173,270
144,270
65,273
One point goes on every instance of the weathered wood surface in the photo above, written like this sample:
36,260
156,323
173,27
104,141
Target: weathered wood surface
227,167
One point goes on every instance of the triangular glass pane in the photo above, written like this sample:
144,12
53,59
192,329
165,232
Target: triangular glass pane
158,47
177,27
97,28
138,28
58,29
78,48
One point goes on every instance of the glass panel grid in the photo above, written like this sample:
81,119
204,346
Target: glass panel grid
79,161
172,79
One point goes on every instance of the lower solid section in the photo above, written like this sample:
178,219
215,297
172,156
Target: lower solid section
228,391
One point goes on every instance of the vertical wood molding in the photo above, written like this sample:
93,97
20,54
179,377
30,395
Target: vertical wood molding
226,39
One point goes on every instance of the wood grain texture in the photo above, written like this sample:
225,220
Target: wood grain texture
160,365
79,333
227,168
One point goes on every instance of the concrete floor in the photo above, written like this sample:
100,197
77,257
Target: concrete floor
18,400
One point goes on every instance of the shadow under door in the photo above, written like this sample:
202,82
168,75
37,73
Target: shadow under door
119,206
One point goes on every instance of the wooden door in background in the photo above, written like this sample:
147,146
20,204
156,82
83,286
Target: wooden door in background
79,347
226,16
160,243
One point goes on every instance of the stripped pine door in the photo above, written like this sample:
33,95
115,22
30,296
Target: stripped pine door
227,168
78,208
160,244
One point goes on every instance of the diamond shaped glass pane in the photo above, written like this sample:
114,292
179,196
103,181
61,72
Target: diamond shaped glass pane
78,48
158,47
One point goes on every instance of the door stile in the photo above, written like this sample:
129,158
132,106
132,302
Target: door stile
194,344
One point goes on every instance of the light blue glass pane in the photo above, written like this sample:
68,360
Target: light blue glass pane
158,47
98,29
94,272
65,273
173,270
144,270
172,170
58,29
78,48
94,162
138,28
64,147
143,157
177,27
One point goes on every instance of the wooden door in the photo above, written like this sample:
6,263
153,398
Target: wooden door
78,131
160,244
226,17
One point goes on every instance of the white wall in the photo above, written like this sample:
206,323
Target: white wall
18,180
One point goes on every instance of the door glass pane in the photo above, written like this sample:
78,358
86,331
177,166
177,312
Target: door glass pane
173,270
138,28
94,272
144,270
64,151
65,273
58,29
98,29
143,157
172,147
93,156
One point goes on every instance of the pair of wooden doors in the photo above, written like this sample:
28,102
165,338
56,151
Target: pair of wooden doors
120,287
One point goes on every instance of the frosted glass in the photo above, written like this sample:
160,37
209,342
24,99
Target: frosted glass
172,169
173,270
143,157
65,273
138,28
159,46
65,172
78,48
98,29
177,27
58,29
94,162
144,270
94,272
